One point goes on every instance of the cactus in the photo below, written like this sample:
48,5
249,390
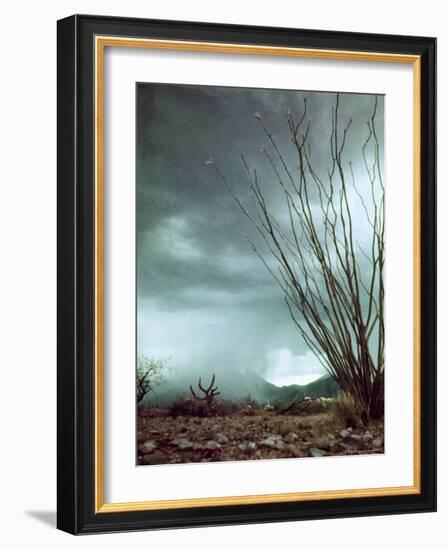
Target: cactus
209,393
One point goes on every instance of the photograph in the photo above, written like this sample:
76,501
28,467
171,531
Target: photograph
246,273
260,274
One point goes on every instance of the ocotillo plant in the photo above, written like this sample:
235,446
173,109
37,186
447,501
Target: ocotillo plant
333,284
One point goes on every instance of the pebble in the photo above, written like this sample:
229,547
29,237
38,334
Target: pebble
316,453
377,442
182,443
156,457
221,438
212,446
148,446
322,443
273,442
290,438
247,447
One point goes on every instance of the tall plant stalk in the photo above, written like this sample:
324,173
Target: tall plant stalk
337,307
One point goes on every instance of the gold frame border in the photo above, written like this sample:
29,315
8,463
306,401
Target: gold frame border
101,42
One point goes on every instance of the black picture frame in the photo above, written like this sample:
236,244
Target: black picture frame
76,509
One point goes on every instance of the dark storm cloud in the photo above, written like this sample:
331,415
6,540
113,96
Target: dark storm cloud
194,264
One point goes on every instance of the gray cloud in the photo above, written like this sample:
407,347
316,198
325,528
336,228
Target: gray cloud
204,298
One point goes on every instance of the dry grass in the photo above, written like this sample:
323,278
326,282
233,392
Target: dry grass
345,411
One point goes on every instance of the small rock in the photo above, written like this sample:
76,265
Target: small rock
322,443
182,443
148,446
344,434
353,443
316,453
247,447
286,427
212,446
197,446
273,442
298,453
367,437
331,437
377,442
156,457
221,438
290,438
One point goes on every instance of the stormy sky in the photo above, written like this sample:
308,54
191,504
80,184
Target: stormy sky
204,299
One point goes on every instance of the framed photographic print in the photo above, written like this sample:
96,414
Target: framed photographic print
246,274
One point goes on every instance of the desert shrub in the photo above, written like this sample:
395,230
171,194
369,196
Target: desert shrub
278,404
155,412
150,374
309,406
248,410
225,407
313,406
185,406
250,406
249,401
345,411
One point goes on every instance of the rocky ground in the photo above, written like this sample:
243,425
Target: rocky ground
168,440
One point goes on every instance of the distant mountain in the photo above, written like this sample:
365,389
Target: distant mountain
236,386
325,386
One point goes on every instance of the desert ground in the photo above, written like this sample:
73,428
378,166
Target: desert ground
165,436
